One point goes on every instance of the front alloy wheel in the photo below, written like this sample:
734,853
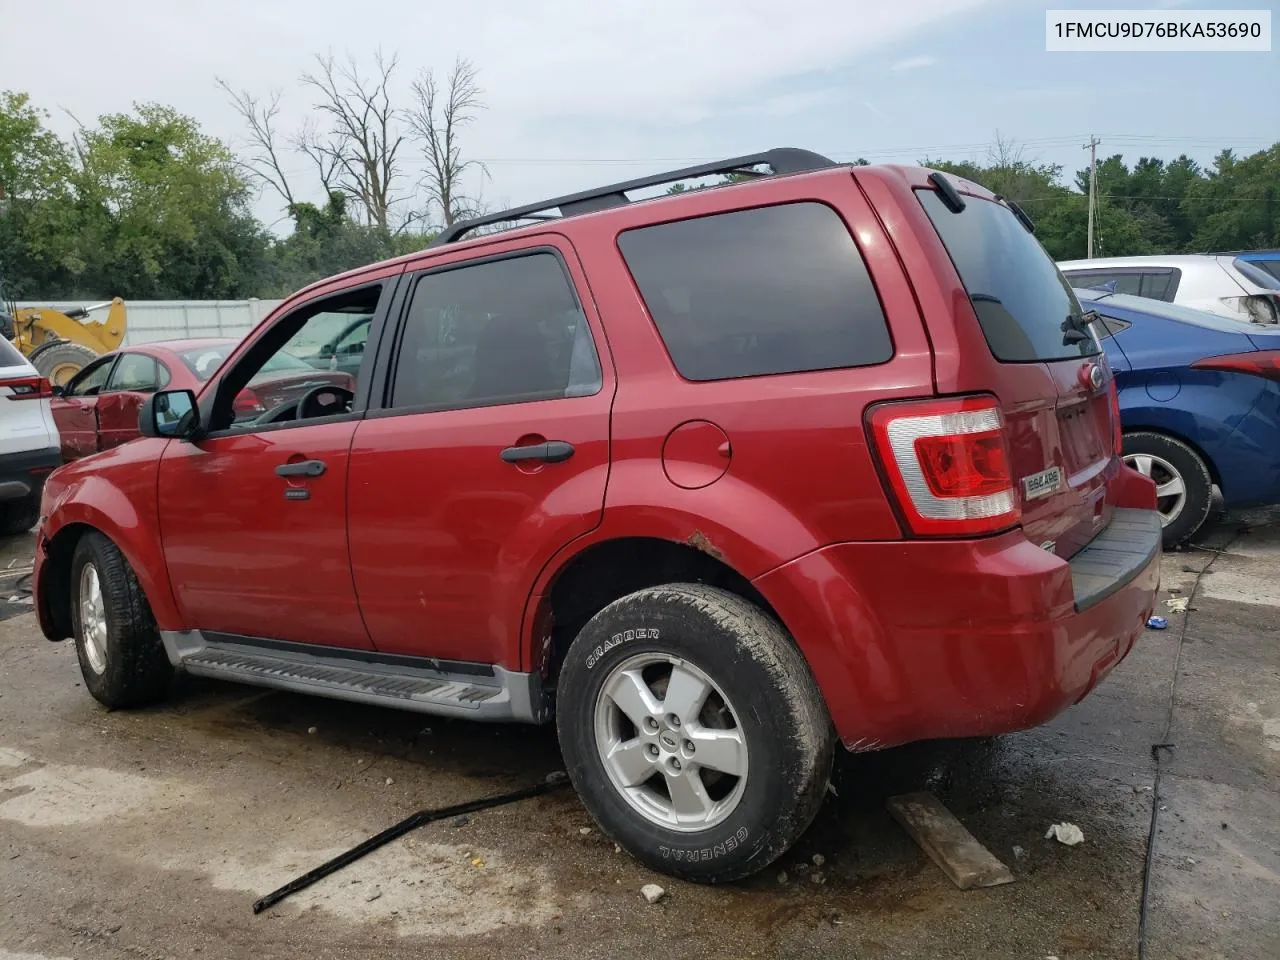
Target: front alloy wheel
93,618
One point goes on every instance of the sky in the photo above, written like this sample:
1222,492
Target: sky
584,92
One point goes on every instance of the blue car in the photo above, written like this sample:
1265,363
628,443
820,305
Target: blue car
1199,402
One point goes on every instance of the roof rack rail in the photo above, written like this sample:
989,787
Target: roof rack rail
780,159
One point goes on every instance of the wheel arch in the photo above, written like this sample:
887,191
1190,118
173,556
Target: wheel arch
53,586
588,580
140,551
1174,434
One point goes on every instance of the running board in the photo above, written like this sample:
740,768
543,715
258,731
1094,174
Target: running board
403,683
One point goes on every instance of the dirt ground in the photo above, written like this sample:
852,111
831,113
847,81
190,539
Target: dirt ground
149,834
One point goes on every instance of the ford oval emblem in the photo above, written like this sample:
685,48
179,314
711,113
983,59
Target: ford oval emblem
1091,376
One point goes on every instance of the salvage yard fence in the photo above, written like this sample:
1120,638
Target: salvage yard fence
152,320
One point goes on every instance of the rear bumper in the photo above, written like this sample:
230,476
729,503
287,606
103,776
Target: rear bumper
23,474
919,640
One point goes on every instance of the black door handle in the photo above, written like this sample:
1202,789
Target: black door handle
553,451
303,468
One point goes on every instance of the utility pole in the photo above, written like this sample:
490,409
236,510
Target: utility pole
1092,147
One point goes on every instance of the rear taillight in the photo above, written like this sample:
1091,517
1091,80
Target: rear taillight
1117,430
28,388
948,463
1260,363
1262,307
247,403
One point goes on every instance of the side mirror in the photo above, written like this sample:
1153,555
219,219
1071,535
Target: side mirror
170,414
58,390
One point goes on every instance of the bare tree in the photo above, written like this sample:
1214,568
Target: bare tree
1006,153
323,150
437,120
363,138
263,160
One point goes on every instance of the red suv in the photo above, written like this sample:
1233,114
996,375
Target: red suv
713,479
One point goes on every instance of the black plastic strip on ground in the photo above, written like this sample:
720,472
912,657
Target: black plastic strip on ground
421,818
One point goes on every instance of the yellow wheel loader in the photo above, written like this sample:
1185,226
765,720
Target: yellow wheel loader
58,343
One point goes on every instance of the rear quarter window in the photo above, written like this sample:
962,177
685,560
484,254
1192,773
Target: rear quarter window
1255,273
772,290
1025,306
9,355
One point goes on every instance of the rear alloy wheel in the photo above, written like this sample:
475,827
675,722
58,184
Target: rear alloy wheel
693,731
1184,487
670,742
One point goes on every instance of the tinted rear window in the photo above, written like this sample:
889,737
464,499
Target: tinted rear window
9,355
779,289
1254,271
1024,305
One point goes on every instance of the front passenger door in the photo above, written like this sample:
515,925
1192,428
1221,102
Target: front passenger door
75,409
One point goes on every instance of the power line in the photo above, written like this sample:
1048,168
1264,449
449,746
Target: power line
870,153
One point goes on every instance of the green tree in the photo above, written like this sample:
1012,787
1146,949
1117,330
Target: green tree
163,211
327,240
1237,204
35,202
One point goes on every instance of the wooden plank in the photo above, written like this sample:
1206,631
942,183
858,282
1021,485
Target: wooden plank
953,848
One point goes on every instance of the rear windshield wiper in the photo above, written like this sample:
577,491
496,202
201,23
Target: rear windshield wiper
1075,329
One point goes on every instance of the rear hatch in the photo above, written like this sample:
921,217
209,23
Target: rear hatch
1049,374
1261,303
26,422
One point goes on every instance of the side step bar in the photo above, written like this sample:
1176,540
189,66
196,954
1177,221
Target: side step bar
404,683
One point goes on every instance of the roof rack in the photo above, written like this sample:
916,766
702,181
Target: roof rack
781,160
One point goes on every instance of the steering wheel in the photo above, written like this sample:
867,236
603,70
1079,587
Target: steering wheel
324,401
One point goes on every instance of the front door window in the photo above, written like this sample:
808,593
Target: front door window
288,377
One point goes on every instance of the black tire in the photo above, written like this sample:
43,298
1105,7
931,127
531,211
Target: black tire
59,362
1190,467
19,516
776,706
136,671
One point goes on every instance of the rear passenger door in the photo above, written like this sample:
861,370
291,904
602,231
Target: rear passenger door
489,453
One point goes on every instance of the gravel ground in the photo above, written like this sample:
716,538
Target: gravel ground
149,834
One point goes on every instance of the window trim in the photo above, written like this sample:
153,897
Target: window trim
1174,274
795,201
1108,320
108,361
382,409
213,390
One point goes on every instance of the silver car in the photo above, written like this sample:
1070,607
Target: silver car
1225,285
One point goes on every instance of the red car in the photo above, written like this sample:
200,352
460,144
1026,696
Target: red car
98,408
712,479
